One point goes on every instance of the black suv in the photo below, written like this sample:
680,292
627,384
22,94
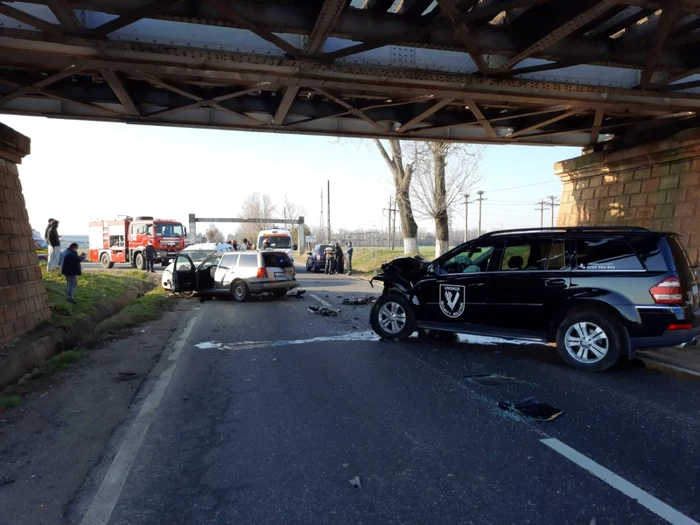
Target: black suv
316,260
599,293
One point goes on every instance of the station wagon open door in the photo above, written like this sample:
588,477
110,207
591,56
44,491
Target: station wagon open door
184,275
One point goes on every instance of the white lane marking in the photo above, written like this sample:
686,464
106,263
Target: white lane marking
246,345
645,499
324,303
107,495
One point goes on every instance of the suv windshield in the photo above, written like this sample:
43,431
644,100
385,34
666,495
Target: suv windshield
168,230
276,241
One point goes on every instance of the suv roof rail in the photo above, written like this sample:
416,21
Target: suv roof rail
568,229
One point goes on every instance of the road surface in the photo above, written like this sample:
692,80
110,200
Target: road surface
267,412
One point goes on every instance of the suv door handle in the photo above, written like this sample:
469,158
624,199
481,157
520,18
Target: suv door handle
555,283
474,285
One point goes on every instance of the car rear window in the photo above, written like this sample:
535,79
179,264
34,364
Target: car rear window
649,251
606,254
248,260
681,259
276,260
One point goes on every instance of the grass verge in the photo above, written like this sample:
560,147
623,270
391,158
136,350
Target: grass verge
148,307
94,288
367,261
7,402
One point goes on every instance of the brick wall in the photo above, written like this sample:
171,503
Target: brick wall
23,301
656,186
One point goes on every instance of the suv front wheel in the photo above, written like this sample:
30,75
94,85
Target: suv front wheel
392,317
589,341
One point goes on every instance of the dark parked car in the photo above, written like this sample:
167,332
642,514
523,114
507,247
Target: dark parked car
316,260
599,293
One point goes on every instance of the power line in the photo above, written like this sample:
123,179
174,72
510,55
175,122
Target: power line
525,186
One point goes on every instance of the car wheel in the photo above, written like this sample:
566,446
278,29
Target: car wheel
310,267
140,261
106,263
240,291
392,317
186,295
591,341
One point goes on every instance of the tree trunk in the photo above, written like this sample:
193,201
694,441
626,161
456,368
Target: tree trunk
402,183
442,230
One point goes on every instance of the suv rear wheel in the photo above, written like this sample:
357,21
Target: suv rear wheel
240,291
588,340
392,317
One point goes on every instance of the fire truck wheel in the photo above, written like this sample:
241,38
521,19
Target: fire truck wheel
106,263
140,261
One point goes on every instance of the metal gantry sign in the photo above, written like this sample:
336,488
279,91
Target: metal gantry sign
193,220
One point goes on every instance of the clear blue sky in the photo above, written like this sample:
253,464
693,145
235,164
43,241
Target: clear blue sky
79,171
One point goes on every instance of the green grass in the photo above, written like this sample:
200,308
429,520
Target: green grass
9,402
94,288
148,307
369,260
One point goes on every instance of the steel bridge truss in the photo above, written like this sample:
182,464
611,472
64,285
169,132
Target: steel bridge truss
589,73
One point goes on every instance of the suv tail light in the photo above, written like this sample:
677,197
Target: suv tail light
667,291
262,273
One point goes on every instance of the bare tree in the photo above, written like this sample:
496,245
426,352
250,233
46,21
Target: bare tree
443,173
257,206
213,234
402,173
292,210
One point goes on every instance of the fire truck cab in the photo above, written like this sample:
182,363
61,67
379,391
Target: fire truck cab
124,240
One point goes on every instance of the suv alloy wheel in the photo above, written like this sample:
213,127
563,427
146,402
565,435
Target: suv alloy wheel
590,340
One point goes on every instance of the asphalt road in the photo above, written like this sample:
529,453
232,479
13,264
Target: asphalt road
270,411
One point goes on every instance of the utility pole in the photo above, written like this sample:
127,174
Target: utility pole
391,211
320,221
466,217
552,205
328,194
393,229
542,205
481,200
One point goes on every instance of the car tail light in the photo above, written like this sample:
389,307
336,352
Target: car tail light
262,273
318,257
667,291
680,326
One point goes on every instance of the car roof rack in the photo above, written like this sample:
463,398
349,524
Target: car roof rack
570,229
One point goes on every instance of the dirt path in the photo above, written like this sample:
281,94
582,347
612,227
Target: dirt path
52,442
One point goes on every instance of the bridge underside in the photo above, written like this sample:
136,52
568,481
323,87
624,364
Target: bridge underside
602,74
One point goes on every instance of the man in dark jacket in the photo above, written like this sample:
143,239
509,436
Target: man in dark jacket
54,242
348,257
330,259
151,255
338,258
71,269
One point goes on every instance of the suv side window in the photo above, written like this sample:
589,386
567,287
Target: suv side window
606,254
472,259
533,254
229,260
558,258
248,260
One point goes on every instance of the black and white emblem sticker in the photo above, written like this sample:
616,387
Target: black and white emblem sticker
452,300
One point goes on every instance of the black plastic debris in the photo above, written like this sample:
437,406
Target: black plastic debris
359,301
296,293
323,310
492,379
532,408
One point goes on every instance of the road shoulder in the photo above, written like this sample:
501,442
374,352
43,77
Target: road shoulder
56,437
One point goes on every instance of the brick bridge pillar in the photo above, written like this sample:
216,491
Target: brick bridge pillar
23,301
656,186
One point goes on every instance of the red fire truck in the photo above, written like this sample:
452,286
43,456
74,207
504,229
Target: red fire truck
123,240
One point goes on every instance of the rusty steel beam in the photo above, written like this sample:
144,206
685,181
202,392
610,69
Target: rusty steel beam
561,32
376,5
290,93
666,21
449,7
425,114
597,121
480,118
65,14
38,86
328,17
540,125
413,8
422,31
26,18
117,85
351,109
135,15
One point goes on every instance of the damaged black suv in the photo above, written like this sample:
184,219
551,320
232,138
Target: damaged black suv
598,293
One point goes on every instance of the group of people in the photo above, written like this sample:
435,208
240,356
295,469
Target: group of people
245,245
68,261
335,259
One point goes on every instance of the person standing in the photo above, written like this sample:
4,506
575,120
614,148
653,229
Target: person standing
151,255
71,269
54,242
330,259
338,258
348,257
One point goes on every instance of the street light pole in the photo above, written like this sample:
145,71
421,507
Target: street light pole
481,199
466,217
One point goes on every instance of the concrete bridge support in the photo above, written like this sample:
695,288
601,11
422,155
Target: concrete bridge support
23,300
656,186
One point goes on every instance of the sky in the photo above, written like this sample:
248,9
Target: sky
80,171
